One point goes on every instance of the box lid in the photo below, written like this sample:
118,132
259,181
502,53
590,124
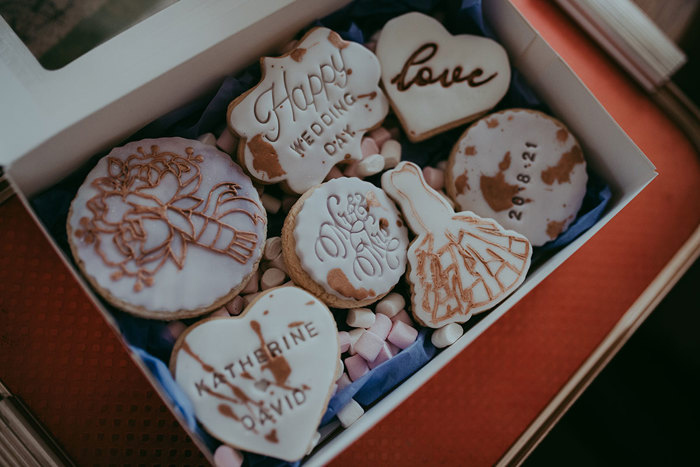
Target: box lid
117,79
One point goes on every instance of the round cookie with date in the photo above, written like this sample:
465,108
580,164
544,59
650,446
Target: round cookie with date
522,168
167,228
345,242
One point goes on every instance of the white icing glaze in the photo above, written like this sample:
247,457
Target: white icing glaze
205,275
337,228
309,111
531,140
431,106
478,263
223,365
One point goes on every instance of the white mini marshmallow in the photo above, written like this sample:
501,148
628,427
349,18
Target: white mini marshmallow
370,165
446,335
360,318
350,413
391,304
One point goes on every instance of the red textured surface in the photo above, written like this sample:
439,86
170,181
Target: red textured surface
69,367
475,408
470,413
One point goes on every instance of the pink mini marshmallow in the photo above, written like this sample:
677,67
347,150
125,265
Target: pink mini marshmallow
270,203
368,345
334,173
252,285
380,135
356,367
248,299
235,306
272,278
343,341
402,335
273,248
343,381
382,326
280,264
226,456
383,355
403,316
354,335
434,177
220,313
227,142
208,139
350,170
369,147
393,350
173,330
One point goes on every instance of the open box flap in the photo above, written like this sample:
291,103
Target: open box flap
112,90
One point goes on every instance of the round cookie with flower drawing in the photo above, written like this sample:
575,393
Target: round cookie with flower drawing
167,228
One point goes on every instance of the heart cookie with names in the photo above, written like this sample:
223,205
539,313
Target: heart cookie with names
261,382
309,111
436,81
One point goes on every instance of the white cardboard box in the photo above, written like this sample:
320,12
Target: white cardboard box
53,121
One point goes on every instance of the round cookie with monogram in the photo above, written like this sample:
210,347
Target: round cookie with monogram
345,242
436,81
309,111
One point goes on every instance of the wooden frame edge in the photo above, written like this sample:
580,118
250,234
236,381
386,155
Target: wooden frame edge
613,342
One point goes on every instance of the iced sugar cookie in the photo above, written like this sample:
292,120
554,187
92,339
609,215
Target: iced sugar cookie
261,381
459,264
345,242
522,168
436,81
309,111
167,228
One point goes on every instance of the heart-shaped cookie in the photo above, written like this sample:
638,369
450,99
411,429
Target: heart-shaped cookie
261,381
436,81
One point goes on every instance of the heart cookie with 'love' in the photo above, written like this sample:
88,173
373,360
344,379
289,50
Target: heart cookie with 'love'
261,381
436,81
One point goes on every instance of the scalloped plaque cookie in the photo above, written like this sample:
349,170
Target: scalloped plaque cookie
167,228
436,81
261,381
309,111
460,264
